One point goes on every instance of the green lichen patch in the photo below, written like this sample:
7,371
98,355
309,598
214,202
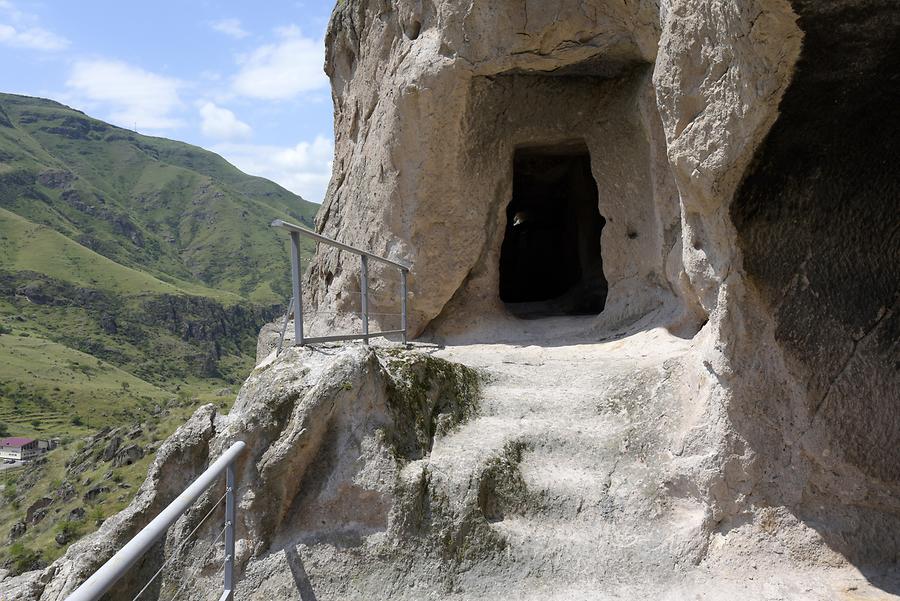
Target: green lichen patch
502,490
427,397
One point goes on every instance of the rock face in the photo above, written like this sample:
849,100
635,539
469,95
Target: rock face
326,447
128,455
816,220
740,165
725,428
36,511
427,127
111,449
17,530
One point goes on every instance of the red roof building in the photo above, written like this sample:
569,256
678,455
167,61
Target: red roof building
18,448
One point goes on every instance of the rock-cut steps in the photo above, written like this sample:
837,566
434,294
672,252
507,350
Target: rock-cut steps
577,463
568,463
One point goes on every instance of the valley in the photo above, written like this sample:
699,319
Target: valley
135,273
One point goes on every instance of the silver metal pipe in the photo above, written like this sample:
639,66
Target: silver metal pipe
310,234
364,290
403,293
110,572
296,231
229,528
343,337
297,289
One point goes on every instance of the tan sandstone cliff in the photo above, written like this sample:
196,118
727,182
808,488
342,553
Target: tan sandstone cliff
727,427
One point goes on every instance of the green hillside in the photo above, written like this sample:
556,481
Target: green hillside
50,385
135,273
172,210
149,255
26,246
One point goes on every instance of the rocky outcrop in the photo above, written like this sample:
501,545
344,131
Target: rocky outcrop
738,150
112,447
17,530
36,511
739,157
128,455
95,492
77,128
65,492
55,178
326,447
429,132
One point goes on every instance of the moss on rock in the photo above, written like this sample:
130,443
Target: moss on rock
427,397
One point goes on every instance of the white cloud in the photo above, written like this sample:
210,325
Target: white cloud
221,123
304,169
231,28
291,66
11,13
33,38
135,96
20,30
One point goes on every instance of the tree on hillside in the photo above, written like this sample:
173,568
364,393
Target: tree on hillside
4,430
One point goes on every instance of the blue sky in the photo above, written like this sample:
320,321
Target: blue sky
241,78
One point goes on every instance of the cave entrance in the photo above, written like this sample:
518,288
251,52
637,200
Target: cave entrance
550,260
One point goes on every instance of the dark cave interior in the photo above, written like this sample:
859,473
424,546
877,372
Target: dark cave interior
550,260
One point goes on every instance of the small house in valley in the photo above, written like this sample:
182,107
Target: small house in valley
18,448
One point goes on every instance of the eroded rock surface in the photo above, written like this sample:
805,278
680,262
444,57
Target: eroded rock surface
817,223
328,433
740,152
725,428
584,471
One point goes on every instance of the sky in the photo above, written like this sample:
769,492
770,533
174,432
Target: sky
243,79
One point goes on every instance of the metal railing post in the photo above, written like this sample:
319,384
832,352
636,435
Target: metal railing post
296,287
403,304
229,533
364,290
296,231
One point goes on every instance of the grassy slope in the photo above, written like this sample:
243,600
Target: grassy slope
160,206
26,246
46,478
52,384
112,225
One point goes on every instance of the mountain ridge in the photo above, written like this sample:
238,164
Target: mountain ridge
151,255
158,205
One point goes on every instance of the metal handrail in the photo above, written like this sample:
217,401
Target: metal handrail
296,304
320,238
110,572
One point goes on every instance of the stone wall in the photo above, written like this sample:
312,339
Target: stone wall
817,225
